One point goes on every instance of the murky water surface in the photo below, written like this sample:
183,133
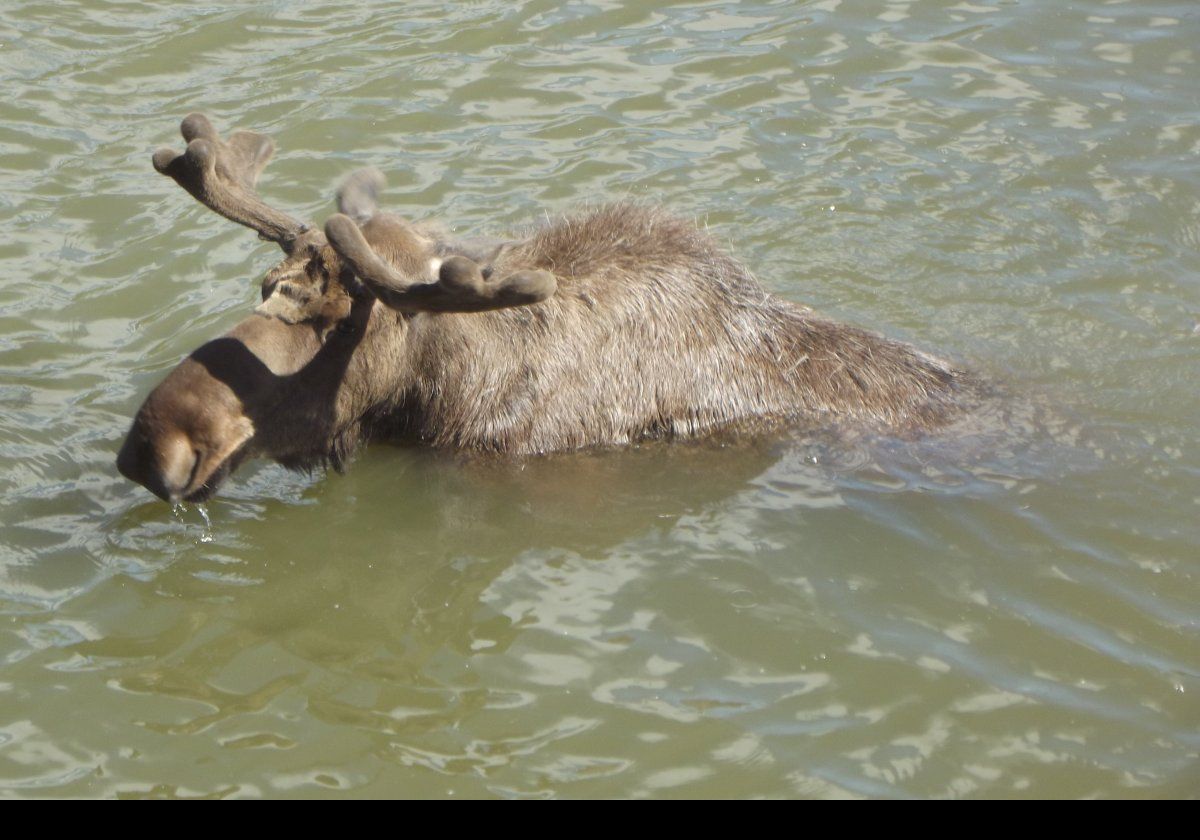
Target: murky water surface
1014,185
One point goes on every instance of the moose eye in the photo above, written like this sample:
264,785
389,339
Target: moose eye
346,327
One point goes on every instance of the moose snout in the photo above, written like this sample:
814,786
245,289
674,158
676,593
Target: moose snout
185,436
163,464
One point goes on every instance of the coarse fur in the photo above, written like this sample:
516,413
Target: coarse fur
655,332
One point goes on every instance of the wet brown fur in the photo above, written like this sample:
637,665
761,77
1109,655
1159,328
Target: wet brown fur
654,332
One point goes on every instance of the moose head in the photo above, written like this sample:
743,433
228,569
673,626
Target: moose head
325,350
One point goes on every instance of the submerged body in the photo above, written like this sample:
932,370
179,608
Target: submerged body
619,325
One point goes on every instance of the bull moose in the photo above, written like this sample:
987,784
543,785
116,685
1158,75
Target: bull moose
618,325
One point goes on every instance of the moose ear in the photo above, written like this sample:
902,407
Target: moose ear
221,175
460,287
358,196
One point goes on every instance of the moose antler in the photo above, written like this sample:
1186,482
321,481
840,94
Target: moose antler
460,286
221,174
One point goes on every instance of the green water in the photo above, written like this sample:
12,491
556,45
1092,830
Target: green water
1012,185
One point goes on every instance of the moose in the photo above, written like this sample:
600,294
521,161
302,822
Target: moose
615,326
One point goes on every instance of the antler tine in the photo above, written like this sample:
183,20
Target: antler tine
460,286
221,175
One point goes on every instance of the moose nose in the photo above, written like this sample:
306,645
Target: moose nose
188,432
163,464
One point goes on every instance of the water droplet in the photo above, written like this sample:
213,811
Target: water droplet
206,536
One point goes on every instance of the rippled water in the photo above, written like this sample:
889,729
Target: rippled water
1014,185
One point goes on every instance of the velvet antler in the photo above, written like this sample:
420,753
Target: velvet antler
221,174
460,286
